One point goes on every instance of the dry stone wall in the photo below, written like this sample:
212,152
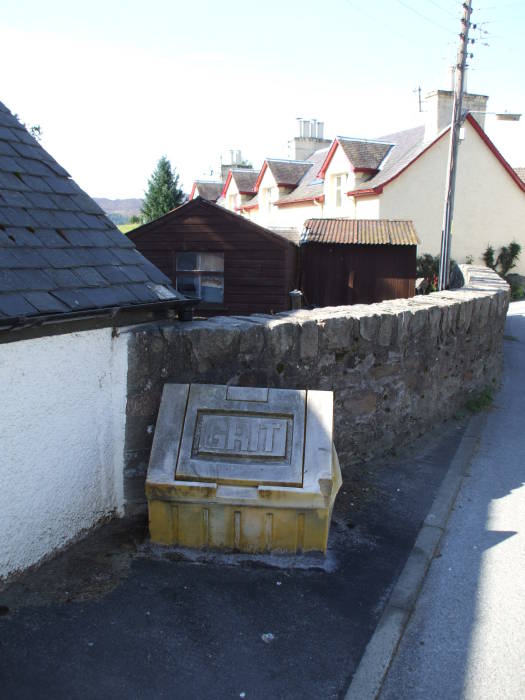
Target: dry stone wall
396,368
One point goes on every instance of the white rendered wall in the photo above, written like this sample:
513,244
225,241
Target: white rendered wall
339,165
367,207
489,205
62,422
294,215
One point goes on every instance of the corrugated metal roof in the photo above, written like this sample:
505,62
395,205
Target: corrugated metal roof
359,231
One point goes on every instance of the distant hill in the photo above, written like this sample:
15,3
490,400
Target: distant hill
120,210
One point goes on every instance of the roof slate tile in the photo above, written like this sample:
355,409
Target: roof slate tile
113,273
130,256
13,305
74,299
90,276
59,252
44,302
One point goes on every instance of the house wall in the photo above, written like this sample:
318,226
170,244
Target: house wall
339,165
232,190
489,205
62,419
367,208
262,215
294,215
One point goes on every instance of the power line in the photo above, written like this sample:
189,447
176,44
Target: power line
379,21
420,14
443,9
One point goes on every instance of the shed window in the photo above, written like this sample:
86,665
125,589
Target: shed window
201,275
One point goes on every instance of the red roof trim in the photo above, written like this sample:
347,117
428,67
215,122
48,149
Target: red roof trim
226,184
328,159
298,201
192,193
363,193
379,188
245,207
260,176
477,128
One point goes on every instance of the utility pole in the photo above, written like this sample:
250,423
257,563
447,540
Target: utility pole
418,90
457,117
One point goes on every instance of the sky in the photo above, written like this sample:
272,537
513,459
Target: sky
115,85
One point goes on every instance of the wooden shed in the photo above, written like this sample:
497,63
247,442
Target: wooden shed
234,265
357,261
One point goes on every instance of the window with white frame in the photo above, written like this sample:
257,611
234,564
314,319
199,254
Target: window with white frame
339,182
201,275
267,199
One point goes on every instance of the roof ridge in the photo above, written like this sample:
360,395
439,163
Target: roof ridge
361,140
289,160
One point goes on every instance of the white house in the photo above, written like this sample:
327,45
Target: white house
401,176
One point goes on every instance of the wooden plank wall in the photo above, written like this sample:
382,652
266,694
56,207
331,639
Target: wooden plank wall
356,274
259,269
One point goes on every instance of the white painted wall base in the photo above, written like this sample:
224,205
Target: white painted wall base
62,423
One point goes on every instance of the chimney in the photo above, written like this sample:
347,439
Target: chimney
438,110
310,139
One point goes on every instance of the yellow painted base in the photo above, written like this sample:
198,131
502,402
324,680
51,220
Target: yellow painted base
246,519
245,529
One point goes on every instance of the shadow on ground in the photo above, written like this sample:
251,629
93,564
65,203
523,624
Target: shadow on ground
469,617
109,617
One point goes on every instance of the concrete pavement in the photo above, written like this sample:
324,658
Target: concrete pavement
466,636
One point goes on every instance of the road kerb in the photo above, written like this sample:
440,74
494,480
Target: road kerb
374,665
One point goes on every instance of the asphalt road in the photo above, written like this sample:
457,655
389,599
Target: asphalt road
466,636
108,619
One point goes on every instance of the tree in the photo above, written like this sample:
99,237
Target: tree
506,260
163,193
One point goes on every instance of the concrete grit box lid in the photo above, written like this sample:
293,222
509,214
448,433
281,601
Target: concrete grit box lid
242,436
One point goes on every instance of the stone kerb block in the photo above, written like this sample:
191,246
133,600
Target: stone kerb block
246,469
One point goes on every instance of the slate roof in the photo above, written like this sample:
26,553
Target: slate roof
245,179
520,172
209,189
363,154
310,186
408,145
359,231
59,253
288,172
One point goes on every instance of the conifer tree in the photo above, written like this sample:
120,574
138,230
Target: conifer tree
164,192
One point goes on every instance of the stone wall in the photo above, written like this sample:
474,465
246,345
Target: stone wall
396,368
